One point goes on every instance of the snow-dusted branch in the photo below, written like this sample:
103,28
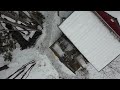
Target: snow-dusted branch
19,25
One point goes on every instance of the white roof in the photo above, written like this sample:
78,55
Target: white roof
91,38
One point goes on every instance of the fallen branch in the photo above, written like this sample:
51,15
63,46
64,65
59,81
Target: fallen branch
19,25
16,18
35,19
25,14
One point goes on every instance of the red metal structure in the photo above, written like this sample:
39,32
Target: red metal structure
110,21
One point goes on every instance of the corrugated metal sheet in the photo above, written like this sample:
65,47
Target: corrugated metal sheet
91,38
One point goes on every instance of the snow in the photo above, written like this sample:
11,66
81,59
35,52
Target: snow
44,56
19,28
53,67
40,43
10,19
42,70
52,34
65,14
63,71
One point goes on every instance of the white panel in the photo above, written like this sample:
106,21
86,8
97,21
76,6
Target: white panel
91,38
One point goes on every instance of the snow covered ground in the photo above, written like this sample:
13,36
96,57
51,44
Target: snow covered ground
48,65
42,70
45,68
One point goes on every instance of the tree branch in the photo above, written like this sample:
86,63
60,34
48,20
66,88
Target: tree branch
26,15
35,19
16,24
17,18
